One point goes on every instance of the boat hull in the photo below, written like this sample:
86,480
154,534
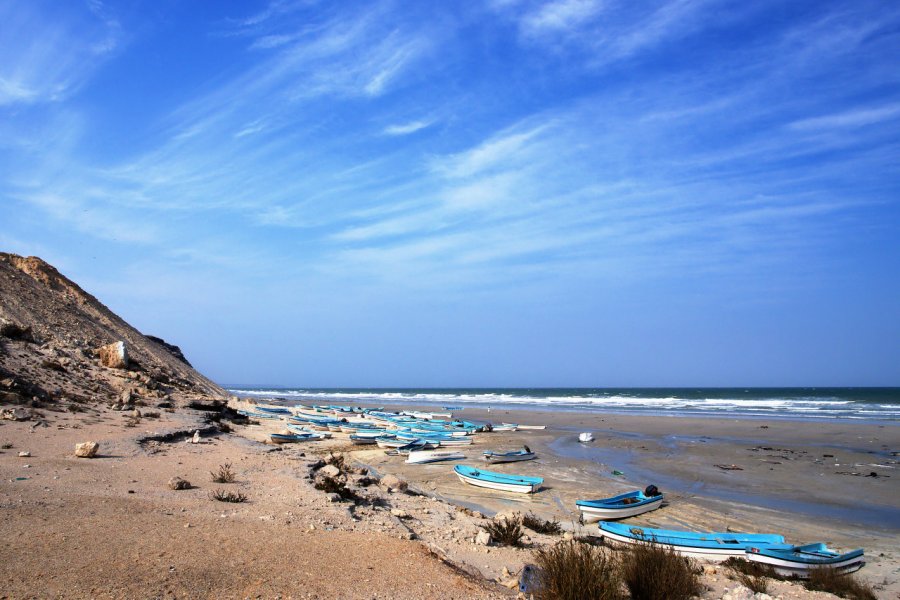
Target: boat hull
498,481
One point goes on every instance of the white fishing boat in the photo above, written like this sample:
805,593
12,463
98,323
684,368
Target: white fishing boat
505,457
419,457
586,437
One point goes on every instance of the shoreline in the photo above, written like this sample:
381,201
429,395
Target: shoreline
803,496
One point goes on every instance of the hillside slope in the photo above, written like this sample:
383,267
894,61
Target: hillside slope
50,334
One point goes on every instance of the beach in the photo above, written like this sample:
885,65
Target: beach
111,527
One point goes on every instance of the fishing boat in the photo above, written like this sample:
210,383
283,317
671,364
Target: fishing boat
713,546
413,446
586,437
288,438
798,561
498,481
532,427
362,440
418,457
504,427
319,435
275,410
621,506
452,441
505,457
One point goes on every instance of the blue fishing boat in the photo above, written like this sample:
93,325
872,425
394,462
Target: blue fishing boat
798,561
715,546
287,438
415,445
275,410
498,481
621,506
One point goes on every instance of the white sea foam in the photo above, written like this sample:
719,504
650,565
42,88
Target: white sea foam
805,406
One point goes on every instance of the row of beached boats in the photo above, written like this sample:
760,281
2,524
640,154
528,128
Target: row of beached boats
430,437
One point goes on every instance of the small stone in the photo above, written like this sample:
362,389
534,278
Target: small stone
333,497
393,483
399,513
568,536
86,449
196,438
177,483
329,471
24,454
483,538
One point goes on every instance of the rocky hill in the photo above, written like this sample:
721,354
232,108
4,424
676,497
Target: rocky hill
51,336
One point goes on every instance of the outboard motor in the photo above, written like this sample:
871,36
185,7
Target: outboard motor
651,491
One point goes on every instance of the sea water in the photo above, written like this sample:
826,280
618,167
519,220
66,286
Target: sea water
859,404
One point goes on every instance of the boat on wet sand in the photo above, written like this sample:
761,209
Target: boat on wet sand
621,506
498,481
798,561
492,457
715,546
419,457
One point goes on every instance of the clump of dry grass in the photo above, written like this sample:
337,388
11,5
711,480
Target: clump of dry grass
6,446
575,571
840,584
223,496
752,575
538,525
223,475
654,572
506,532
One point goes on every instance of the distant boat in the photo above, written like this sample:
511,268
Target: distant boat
716,546
504,427
621,506
532,427
362,440
505,457
586,437
498,481
429,456
276,410
287,438
798,561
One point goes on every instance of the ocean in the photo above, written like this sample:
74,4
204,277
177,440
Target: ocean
858,404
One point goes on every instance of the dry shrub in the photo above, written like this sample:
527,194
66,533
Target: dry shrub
840,584
223,475
538,525
575,571
223,496
506,532
752,575
654,572
6,446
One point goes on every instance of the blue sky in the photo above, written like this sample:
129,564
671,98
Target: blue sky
484,193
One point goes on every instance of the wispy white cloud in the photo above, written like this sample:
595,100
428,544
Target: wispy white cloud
407,128
850,118
559,16
46,60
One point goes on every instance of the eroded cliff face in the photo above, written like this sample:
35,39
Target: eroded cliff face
51,331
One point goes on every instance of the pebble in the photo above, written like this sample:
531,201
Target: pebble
24,454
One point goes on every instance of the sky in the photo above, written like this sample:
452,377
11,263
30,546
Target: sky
469,194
